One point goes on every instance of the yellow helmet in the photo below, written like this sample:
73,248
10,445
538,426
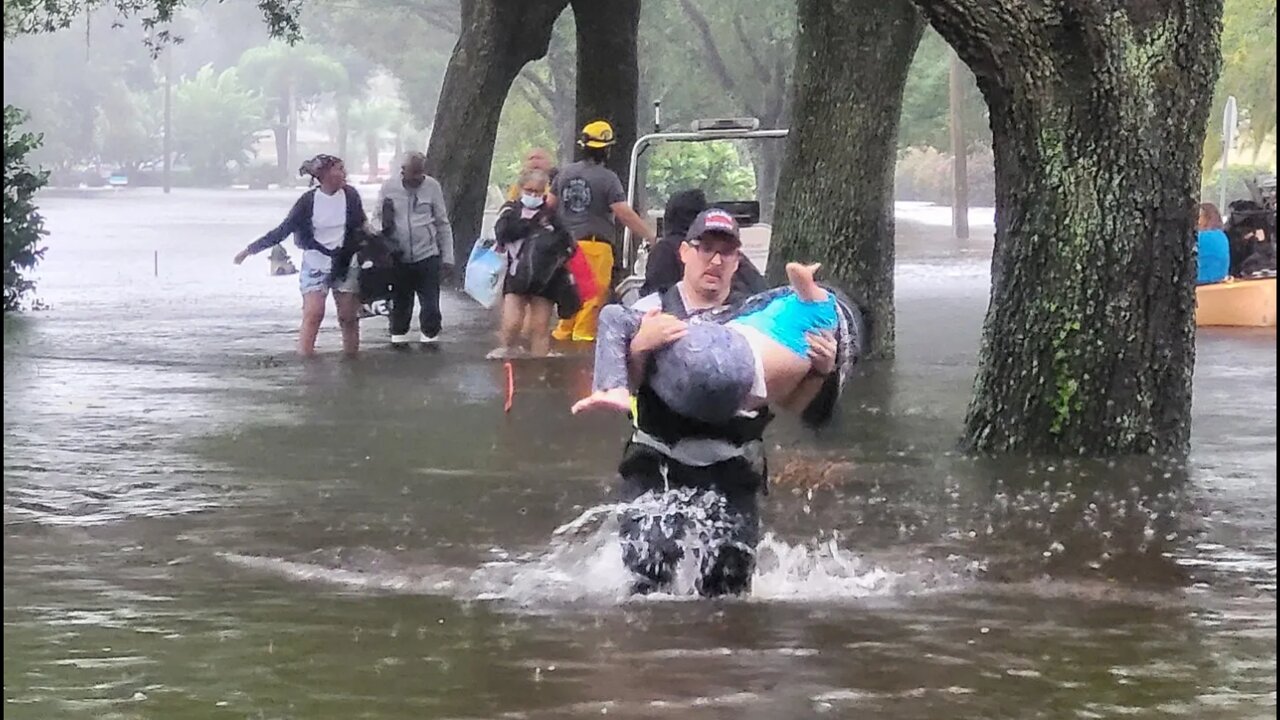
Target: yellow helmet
597,134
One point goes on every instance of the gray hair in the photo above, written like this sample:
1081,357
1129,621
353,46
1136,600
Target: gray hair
534,175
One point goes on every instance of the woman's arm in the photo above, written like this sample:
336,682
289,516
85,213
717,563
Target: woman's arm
276,235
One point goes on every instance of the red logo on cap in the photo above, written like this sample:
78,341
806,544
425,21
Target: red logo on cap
719,220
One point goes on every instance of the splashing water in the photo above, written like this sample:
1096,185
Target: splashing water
583,563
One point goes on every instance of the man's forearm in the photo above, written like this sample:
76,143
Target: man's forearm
635,368
632,220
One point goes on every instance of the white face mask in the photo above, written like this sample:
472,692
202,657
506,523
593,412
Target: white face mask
531,200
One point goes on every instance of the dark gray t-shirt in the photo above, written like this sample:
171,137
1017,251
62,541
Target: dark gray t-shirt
586,190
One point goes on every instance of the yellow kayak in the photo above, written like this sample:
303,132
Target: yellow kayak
1237,303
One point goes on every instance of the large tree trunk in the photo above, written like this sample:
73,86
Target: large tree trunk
1097,119
497,40
609,71
835,202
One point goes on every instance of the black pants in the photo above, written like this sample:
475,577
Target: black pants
653,546
421,278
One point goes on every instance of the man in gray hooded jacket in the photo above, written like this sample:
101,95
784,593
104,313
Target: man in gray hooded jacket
415,219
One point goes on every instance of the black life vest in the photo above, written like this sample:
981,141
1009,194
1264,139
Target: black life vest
664,423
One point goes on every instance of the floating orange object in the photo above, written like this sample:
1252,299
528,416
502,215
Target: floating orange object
511,386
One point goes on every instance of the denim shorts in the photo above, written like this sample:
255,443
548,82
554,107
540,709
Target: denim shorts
314,275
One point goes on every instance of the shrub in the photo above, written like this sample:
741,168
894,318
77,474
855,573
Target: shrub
23,225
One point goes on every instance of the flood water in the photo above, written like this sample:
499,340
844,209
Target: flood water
199,525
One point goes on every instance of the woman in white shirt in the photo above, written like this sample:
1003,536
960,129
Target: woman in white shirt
326,223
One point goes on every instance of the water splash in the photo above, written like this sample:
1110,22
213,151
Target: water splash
582,565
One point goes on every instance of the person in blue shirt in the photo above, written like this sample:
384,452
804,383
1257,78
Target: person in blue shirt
1213,249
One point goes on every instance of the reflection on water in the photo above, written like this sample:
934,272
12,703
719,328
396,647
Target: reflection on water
199,525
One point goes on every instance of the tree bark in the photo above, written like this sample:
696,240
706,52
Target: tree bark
344,125
835,201
281,132
959,151
1098,111
497,39
768,157
609,71
291,142
371,155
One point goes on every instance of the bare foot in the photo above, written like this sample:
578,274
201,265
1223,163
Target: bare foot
616,399
801,279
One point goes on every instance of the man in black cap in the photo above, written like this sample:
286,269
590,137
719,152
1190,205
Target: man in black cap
674,467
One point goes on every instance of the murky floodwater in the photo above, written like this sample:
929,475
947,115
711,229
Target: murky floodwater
199,525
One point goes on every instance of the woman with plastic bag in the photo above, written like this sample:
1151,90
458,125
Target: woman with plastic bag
537,249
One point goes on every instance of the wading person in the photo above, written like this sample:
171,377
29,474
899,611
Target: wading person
589,196
417,223
537,247
674,463
327,224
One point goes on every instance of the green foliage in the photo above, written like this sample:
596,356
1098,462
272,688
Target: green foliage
1238,177
216,121
23,17
717,167
1248,73
23,225
705,58
369,121
411,40
926,101
129,127
279,71
520,129
924,174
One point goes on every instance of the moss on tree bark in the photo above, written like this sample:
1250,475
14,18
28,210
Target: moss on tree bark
835,194
1098,112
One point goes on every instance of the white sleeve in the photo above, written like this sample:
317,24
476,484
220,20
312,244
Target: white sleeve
652,301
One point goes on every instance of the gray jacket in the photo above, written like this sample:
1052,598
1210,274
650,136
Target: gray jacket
421,224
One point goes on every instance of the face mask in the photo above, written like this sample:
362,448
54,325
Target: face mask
531,201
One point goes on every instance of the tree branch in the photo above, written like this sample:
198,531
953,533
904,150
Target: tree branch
437,14
544,101
1000,40
714,59
779,97
761,71
546,91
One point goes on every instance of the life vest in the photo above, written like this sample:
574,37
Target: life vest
692,452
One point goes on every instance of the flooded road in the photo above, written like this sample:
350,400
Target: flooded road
199,525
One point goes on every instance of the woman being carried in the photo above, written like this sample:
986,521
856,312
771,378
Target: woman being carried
723,364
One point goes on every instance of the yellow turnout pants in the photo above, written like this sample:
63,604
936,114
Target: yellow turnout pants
582,326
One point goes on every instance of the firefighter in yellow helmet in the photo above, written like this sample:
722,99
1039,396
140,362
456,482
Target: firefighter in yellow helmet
589,196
